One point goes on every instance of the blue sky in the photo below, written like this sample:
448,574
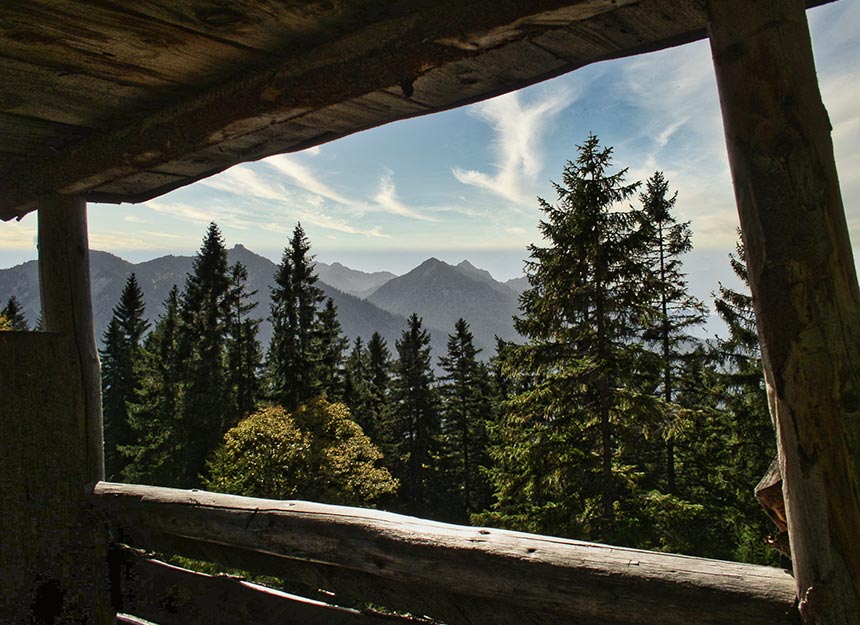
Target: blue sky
462,184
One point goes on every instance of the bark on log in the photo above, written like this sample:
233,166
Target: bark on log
64,283
804,287
571,580
170,595
348,587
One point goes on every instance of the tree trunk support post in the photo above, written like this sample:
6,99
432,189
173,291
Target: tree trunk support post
804,287
64,282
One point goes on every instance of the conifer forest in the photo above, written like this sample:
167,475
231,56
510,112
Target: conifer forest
610,421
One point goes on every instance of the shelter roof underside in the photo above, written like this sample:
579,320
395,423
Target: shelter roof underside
122,102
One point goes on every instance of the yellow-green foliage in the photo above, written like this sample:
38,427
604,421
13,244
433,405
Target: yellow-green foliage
316,453
5,324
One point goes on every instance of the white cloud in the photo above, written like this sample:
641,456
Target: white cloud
18,235
304,178
519,128
387,199
241,180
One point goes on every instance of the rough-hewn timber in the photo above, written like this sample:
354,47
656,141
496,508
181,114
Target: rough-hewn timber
170,595
569,579
125,103
50,568
804,287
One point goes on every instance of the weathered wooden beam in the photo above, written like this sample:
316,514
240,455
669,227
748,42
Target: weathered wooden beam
64,283
170,595
570,579
804,287
51,569
347,587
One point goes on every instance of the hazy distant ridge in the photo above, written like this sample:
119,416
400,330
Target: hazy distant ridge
438,292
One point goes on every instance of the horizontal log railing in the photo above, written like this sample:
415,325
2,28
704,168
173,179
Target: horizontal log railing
170,595
449,572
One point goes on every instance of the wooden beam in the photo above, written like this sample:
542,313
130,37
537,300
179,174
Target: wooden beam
347,587
446,52
572,580
64,283
804,287
171,595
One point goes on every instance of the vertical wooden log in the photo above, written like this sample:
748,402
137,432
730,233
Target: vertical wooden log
804,286
64,282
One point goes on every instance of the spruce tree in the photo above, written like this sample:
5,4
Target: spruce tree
560,465
330,345
414,423
742,393
379,387
244,354
120,376
677,311
14,315
467,409
204,414
158,448
356,389
292,358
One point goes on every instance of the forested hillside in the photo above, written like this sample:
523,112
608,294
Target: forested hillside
598,415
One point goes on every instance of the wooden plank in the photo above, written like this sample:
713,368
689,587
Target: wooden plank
50,569
267,25
114,44
35,137
170,595
400,49
64,282
52,95
804,286
347,587
572,579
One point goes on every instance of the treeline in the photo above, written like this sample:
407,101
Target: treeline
611,422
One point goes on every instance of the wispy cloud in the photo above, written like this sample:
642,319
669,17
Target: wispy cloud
519,127
387,198
18,235
232,217
242,180
305,178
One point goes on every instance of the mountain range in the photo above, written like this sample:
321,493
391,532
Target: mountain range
366,302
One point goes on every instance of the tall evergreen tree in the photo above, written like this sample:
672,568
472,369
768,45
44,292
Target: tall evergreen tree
158,449
560,467
742,392
295,297
120,376
414,422
329,353
356,388
204,414
677,311
15,315
379,388
244,354
467,405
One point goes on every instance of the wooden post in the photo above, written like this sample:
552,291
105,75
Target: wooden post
64,282
804,287
53,564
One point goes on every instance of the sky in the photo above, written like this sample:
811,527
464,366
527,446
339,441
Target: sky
464,184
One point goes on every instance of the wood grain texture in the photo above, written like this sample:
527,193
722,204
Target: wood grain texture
170,595
50,569
804,286
569,579
229,80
